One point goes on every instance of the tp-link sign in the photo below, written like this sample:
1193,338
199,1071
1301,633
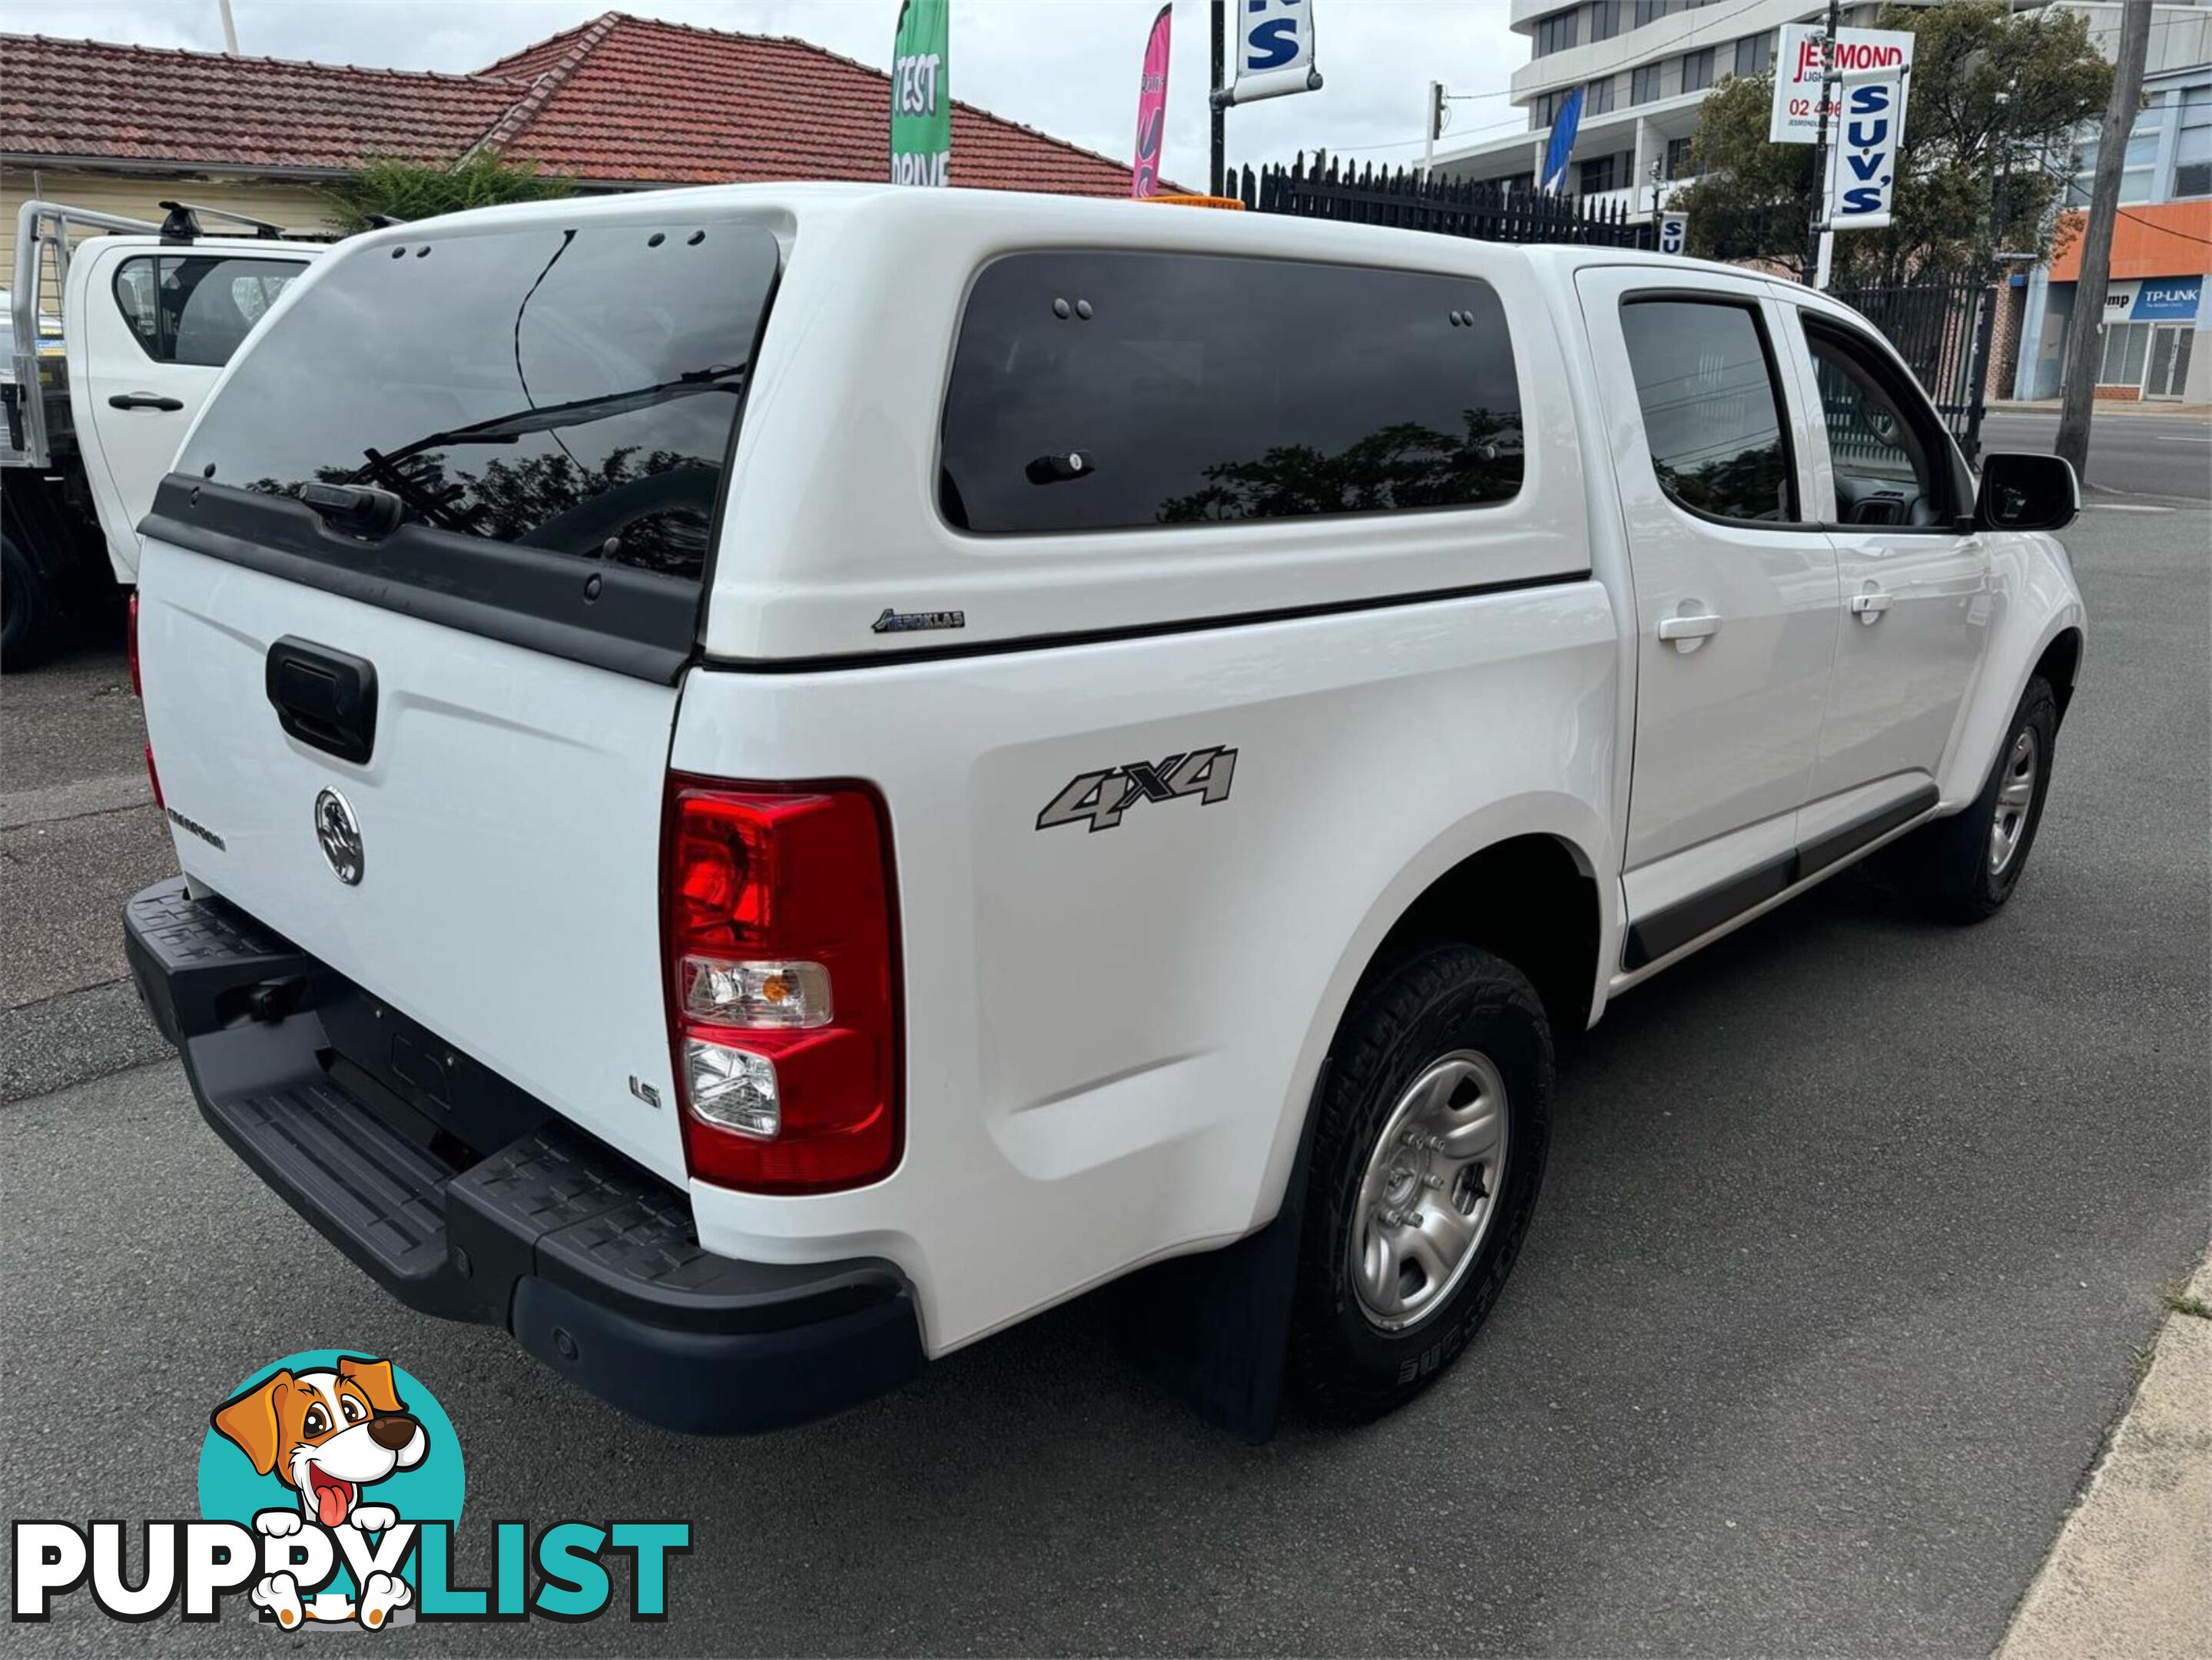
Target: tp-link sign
1863,154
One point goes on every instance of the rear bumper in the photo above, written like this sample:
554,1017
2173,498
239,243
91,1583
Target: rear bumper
592,1263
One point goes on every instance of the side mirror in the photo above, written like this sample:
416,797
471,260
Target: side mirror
2027,492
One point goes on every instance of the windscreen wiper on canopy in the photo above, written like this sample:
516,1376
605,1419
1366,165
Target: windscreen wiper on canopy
506,429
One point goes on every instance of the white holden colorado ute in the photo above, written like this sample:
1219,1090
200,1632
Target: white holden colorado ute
94,398
772,779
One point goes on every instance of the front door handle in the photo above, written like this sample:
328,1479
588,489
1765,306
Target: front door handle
144,400
1688,633
1869,607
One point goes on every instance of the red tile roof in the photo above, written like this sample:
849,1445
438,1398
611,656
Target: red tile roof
748,107
621,100
91,98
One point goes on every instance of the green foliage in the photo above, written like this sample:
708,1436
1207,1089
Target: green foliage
402,190
1964,144
1400,466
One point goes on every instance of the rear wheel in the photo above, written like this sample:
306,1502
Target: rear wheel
1427,1159
1968,865
27,617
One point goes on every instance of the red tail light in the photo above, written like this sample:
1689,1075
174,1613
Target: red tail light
783,984
138,691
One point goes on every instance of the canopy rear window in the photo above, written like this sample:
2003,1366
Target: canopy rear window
572,390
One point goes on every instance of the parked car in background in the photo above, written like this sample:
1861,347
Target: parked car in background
773,780
95,400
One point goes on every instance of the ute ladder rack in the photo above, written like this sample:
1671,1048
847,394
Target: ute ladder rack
42,231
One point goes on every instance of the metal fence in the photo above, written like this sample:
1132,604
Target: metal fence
1942,331
1403,198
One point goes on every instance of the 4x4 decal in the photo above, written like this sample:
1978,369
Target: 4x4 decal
1099,799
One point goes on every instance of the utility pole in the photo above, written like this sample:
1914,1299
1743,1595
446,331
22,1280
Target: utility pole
1218,109
2084,340
229,29
1817,234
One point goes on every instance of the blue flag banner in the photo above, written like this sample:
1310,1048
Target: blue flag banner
1564,126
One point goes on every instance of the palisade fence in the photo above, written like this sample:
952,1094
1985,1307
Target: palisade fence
1942,329
1402,198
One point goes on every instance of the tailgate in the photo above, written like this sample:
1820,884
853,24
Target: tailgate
413,614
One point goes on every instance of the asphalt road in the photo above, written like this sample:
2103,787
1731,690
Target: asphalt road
1850,1228
2131,451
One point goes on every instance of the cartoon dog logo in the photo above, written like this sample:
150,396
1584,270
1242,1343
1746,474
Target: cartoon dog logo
329,1434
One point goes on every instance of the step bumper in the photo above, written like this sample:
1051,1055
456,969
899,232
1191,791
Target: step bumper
592,1264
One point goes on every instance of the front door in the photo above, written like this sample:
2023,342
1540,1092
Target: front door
1735,589
2168,373
1916,599
150,329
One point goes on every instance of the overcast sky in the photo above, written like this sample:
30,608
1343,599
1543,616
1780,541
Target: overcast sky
1067,66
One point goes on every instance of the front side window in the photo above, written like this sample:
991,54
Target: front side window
572,390
1711,410
1098,391
1890,460
196,308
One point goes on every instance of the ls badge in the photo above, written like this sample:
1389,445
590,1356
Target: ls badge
1099,799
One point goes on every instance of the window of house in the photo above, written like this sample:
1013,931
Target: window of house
1598,173
2127,349
1198,388
1754,53
1678,158
1711,409
1643,84
1600,99
1555,33
1605,19
1651,11
196,308
1697,70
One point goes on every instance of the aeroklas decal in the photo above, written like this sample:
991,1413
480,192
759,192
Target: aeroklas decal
1099,799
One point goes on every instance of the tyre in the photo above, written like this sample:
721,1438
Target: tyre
1427,1156
26,618
1966,867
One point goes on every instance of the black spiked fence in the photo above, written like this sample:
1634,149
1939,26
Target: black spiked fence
1403,198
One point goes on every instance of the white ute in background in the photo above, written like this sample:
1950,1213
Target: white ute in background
94,401
772,779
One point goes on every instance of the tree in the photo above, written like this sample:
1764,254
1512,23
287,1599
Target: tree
1992,93
402,190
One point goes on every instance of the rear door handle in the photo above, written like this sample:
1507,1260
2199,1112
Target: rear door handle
1688,633
1869,607
144,400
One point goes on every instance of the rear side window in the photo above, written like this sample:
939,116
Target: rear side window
1711,408
570,390
196,308
1100,390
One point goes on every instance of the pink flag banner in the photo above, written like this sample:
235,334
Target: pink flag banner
1152,106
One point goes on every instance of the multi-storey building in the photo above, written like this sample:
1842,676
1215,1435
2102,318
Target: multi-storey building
1646,66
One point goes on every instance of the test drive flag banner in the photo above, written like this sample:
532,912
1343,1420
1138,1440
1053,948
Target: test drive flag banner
921,96
1274,49
1565,126
1152,105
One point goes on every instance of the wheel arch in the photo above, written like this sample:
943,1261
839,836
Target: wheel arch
1547,856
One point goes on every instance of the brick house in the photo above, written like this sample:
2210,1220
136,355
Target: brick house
620,103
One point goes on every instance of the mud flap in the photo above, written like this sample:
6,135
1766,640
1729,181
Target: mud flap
1214,1329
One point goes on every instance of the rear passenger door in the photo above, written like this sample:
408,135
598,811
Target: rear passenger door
1735,597
1916,605
153,328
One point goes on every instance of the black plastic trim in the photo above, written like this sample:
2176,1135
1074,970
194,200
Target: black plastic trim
1814,857
859,660
630,622
1652,937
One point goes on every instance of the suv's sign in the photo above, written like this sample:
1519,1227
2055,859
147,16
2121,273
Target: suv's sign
1099,799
